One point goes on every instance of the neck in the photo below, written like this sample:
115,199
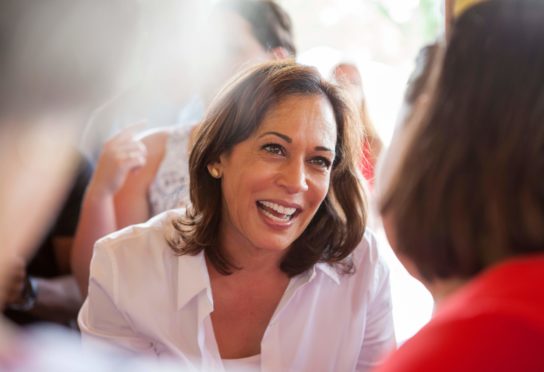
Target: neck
255,260
249,258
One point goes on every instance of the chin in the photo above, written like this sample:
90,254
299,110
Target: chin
274,245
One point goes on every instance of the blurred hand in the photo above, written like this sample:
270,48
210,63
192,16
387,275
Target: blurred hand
120,155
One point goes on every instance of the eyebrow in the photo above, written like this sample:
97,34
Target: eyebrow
289,140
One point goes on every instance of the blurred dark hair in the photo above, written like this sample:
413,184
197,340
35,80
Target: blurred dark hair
469,191
58,54
270,23
419,79
234,116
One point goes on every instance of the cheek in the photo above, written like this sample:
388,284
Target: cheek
321,189
240,189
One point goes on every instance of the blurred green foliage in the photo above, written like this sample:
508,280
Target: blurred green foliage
431,22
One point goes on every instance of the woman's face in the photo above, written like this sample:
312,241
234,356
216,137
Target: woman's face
274,182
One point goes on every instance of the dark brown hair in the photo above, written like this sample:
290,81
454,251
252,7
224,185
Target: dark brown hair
469,190
234,116
270,24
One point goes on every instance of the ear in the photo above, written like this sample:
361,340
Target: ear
279,53
214,170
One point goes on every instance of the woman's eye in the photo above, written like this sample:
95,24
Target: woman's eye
274,148
321,162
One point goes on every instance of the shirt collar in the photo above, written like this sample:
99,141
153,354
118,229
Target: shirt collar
328,270
193,277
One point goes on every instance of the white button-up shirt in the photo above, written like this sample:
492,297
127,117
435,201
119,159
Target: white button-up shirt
144,298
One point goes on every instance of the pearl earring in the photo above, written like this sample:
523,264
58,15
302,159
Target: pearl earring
214,172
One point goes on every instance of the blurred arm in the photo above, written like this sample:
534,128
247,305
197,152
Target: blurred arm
122,155
131,201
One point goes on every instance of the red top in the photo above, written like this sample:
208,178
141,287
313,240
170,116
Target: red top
367,164
494,323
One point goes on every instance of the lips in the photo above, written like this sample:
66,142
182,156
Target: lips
278,212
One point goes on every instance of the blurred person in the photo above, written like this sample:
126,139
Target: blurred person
462,199
137,178
270,268
235,33
347,75
246,32
59,60
44,290
160,89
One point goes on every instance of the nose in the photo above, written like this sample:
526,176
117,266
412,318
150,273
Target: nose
293,176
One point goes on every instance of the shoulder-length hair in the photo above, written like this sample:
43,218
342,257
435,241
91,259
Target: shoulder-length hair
468,190
234,116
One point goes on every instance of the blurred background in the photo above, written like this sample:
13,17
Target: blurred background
382,37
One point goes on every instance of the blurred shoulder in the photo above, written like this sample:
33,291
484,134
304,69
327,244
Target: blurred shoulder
490,341
155,138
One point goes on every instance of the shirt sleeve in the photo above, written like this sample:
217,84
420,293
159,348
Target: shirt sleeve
379,337
100,319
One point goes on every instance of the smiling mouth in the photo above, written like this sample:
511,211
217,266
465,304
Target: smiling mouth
277,212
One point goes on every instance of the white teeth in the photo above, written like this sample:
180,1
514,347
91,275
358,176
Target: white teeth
279,208
275,218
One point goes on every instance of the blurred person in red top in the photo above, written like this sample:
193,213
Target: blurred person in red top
462,196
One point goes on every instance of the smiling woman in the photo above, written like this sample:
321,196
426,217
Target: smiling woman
271,255
289,100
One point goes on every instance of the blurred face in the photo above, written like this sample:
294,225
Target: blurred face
274,182
349,78
241,47
233,47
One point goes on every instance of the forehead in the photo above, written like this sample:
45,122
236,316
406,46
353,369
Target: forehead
306,115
